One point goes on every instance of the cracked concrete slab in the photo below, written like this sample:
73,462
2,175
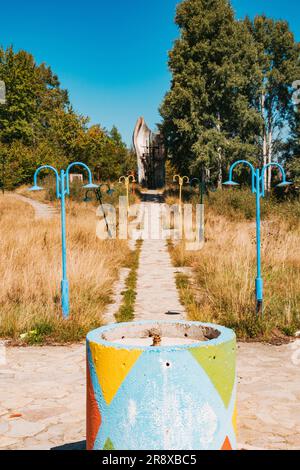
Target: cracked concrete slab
54,414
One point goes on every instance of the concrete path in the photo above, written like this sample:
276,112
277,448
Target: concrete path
157,295
269,396
42,210
42,390
42,397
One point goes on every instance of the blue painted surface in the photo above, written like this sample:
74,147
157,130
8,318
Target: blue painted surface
258,188
176,406
167,401
63,190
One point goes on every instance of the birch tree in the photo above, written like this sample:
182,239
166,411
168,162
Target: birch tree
206,114
278,61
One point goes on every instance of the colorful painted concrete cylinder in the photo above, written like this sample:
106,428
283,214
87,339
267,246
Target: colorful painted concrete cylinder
161,385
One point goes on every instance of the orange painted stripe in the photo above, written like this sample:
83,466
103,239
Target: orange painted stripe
226,445
93,420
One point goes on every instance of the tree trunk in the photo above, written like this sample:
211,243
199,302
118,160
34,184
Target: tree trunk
265,141
219,151
270,151
220,171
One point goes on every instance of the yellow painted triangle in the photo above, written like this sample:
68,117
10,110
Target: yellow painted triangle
234,419
219,364
112,366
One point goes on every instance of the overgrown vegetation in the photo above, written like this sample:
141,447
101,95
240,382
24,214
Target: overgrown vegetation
39,126
239,203
126,311
30,269
79,194
231,94
221,288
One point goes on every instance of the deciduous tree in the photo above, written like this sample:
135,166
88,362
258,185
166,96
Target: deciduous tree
38,125
278,62
206,114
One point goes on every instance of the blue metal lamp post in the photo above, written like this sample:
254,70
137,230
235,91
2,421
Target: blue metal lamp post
98,193
63,190
3,101
258,188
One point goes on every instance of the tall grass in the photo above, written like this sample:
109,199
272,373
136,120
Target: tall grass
78,193
239,204
30,270
224,271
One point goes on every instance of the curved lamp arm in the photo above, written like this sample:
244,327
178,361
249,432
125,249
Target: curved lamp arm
243,162
181,179
122,179
132,178
196,180
102,185
281,169
36,174
90,178
87,199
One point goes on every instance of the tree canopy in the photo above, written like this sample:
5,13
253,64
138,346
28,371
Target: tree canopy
39,126
231,92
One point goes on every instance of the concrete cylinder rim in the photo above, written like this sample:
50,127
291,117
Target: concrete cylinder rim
95,336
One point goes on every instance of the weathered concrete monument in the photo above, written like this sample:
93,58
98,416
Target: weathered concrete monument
150,154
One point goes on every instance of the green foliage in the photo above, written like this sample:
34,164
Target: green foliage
37,335
39,126
231,92
170,172
31,91
208,300
279,68
126,311
206,115
278,61
292,150
239,204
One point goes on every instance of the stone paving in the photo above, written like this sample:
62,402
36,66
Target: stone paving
42,389
157,295
269,396
42,397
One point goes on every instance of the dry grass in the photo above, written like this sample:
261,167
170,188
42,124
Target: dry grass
30,269
225,269
78,193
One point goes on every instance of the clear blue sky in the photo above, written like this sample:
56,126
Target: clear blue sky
111,55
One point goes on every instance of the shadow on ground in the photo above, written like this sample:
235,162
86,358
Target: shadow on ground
81,445
152,196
